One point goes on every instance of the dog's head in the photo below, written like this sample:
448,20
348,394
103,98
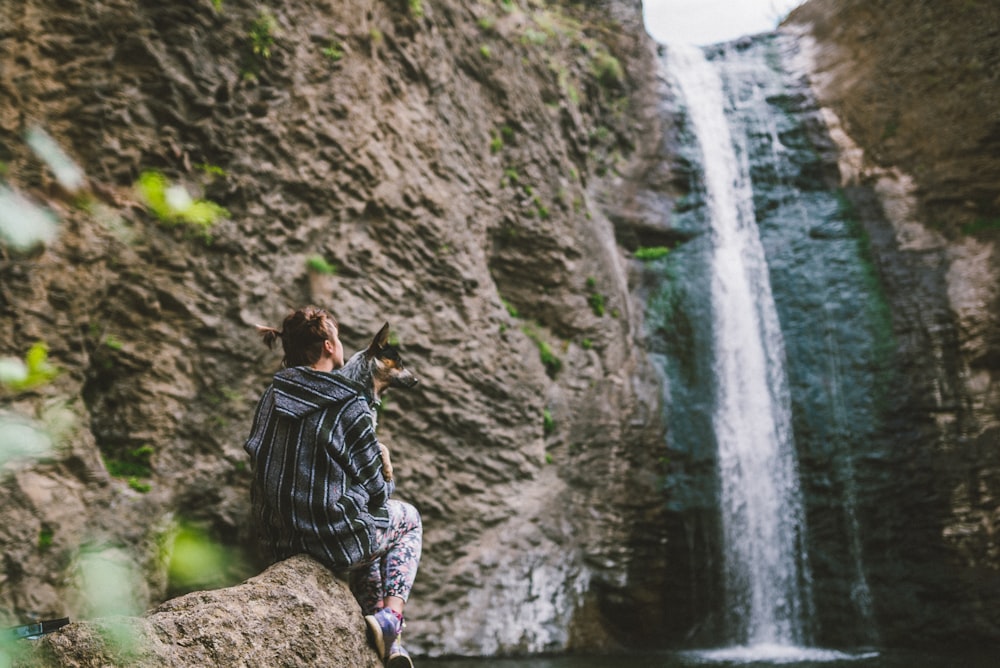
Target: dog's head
386,363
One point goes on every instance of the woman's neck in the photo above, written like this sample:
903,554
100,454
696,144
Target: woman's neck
324,364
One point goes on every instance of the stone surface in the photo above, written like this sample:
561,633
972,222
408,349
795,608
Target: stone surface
909,93
293,614
452,159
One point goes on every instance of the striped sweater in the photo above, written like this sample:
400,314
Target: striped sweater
317,475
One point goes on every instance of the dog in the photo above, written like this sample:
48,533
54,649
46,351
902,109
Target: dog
377,368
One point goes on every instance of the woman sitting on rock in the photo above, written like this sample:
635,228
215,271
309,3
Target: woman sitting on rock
318,484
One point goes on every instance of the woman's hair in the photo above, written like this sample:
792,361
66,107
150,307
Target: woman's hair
302,335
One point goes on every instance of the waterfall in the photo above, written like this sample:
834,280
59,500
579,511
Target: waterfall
765,567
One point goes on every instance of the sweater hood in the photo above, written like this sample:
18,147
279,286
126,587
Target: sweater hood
300,390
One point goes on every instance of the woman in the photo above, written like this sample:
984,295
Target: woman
318,484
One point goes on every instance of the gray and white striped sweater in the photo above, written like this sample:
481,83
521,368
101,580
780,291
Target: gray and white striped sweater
317,469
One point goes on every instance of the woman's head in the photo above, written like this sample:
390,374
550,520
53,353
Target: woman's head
308,336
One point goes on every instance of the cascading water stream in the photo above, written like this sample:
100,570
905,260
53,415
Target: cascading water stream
766,572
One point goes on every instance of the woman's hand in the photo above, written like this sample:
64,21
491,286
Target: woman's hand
386,463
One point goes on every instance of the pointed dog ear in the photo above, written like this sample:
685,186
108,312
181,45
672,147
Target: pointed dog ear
379,342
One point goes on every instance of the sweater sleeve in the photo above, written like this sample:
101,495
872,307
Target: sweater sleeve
363,451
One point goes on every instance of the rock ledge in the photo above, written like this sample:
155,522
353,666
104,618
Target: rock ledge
296,613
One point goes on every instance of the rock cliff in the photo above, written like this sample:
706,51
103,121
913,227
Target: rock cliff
909,97
442,165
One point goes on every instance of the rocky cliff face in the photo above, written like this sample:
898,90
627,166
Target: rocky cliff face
453,162
909,95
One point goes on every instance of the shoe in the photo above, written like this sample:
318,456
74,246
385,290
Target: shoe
383,629
398,657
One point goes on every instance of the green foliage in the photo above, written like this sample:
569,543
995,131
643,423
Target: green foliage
173,205
485,52
496,143
607,69
548,423
194,558
139,485
132,465
487,23
319,265
217,5
134,468
33,371
549,359
566,85
650,253
541,209
981,225
261,33
586,344
416,8
510,177
211,170
511,309
596,301
45,536
333,52
532,36
113,342
890,129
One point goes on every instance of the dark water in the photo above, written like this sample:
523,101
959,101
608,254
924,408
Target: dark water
810,659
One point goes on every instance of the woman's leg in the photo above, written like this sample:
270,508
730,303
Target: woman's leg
403,541
387,579
366,585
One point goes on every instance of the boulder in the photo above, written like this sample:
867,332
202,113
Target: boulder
296,613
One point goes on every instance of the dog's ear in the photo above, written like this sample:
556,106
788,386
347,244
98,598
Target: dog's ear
379,342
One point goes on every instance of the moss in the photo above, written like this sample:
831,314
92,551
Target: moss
596,301
548,423
134,464
549,359
45,537
318,264
981,225
261,33
650,253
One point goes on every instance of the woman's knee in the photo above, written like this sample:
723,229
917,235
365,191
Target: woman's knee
405,514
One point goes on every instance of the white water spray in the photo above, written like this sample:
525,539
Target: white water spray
767,590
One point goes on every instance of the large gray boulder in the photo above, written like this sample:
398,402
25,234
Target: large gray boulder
296,613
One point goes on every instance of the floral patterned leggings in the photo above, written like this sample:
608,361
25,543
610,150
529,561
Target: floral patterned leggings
393,567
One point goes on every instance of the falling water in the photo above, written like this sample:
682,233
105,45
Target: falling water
766,573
